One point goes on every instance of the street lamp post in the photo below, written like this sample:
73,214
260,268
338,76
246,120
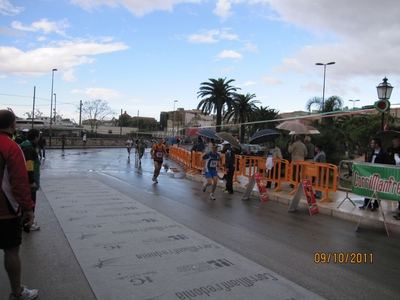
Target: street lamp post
51,104
55,108
354,103
323,89
173,121
384,90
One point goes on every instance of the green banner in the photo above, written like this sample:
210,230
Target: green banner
382,179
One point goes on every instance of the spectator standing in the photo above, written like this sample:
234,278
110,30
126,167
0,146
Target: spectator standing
15,196
30,149
394,153
167,146
377,156
42,146
273,152
200,145
310,149
229,166
299,152
84,140
63,141
319,158
21,136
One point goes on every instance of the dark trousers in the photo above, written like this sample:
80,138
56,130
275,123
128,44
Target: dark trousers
229,179
42,152
274,175
374,204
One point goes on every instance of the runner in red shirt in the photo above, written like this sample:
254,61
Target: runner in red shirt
157,153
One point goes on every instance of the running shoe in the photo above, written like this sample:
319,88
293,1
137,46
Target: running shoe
204,187
34,227
25,295
212,197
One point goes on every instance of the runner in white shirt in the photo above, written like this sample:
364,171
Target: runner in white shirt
129,145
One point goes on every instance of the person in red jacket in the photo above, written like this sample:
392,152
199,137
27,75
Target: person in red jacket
15,197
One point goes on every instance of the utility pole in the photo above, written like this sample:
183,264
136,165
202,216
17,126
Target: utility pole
33,108
120,123
80,118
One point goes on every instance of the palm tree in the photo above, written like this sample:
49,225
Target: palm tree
242,111
217,96
331,104
265,114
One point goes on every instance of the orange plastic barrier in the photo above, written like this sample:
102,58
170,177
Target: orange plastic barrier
250,165
279,173
323,176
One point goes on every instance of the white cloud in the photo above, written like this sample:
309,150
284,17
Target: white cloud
248,83
271,81
250,47
69,75
229,54
64,55
99,93
7,9
223,9
204,37
138,7
227,36
43,26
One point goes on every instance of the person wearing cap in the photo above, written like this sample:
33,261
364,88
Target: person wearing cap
229,166
212,159
29,148
320,157
21,136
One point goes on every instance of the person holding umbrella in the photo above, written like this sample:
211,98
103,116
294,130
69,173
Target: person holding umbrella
229,166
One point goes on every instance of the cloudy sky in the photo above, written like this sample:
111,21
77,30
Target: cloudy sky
141,55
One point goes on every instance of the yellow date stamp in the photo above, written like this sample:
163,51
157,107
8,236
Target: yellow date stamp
343,258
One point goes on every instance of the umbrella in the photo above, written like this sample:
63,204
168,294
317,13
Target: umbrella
229,138
192,131
295,126
264,136
387,137
209,133
312,130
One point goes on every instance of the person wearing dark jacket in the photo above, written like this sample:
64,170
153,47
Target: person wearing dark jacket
377,156
30,149
42,146
229,166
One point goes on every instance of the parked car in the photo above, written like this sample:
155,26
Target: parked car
253,150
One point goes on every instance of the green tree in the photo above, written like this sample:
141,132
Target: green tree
265,114
217,97
242,111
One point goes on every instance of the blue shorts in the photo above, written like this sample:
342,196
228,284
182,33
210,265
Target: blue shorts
211,174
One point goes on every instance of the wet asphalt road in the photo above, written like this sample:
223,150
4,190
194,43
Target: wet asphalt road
267,234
